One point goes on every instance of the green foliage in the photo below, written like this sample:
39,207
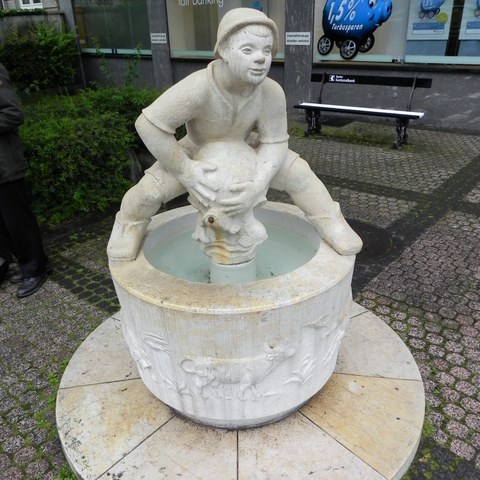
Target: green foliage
65,473
77,151
132,67
126,101
39,57
365,133
23,11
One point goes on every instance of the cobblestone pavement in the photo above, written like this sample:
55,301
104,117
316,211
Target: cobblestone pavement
423,280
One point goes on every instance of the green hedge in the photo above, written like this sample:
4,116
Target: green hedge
40,57
21,12
77,148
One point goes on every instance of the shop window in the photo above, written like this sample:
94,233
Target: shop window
113,26
414,31
445,31
31,4
360,30
192,24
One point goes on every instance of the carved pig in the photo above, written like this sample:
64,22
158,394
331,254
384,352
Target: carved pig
244,372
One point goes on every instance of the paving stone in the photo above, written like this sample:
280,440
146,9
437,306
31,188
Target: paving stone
473,421
24,455
449,394
457,429
37,468
461,373
13,473
463,449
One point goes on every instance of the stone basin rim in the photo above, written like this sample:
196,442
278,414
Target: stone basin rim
153,286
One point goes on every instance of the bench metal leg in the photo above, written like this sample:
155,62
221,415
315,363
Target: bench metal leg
402,135
313,122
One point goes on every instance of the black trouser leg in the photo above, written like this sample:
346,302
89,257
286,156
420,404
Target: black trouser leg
19,231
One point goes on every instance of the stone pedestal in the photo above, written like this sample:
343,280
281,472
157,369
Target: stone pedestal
365,424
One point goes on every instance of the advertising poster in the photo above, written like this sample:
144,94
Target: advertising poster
470,27
360,30
429,19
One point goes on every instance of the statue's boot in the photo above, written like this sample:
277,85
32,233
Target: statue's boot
334,229
125,239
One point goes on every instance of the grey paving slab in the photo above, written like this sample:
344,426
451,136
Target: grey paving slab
474,195
431,160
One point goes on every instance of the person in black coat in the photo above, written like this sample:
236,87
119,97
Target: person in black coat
20,236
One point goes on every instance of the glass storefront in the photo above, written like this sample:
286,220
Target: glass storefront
415,31
353,31
113,26
192,24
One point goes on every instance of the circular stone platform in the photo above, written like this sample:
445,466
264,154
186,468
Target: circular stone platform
364,424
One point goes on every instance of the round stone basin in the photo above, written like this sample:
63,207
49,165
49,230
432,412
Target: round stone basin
235,355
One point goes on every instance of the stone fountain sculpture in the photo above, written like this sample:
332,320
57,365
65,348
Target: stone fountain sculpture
237,348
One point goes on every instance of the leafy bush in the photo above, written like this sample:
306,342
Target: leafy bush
79,149
40,57
77,154
126,101
13,12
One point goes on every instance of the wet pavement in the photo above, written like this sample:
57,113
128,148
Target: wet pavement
419,212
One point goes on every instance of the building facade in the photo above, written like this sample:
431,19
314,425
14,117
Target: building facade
439,39
29,4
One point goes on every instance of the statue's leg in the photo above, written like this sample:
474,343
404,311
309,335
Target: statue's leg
139,204
310,194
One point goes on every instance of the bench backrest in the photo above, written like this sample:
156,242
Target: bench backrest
349,79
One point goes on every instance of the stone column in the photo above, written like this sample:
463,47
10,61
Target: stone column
299,17
66,7
162,65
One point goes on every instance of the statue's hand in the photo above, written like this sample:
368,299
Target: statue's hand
195,180
245,195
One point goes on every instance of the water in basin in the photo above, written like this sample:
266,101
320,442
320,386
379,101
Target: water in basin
288,247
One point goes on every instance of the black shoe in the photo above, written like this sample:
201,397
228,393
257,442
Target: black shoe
3,271
16,276
31,285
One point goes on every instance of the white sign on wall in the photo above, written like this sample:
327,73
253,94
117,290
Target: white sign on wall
297,38
158,38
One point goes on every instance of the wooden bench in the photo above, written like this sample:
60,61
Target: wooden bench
313,110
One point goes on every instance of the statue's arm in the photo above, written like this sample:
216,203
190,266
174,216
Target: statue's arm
165,148
162,145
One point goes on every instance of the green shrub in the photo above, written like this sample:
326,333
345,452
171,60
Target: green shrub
78,156
13,12
40,57
78,149
126,101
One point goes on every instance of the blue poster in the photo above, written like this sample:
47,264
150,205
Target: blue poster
470,27
429,19
350,24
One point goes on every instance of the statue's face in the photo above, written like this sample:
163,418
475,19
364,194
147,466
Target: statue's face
248,54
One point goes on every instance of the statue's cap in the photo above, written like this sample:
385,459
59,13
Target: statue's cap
238,18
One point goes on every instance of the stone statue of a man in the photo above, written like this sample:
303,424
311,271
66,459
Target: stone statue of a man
232,100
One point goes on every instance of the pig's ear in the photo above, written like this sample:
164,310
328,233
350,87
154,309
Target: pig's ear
188,365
